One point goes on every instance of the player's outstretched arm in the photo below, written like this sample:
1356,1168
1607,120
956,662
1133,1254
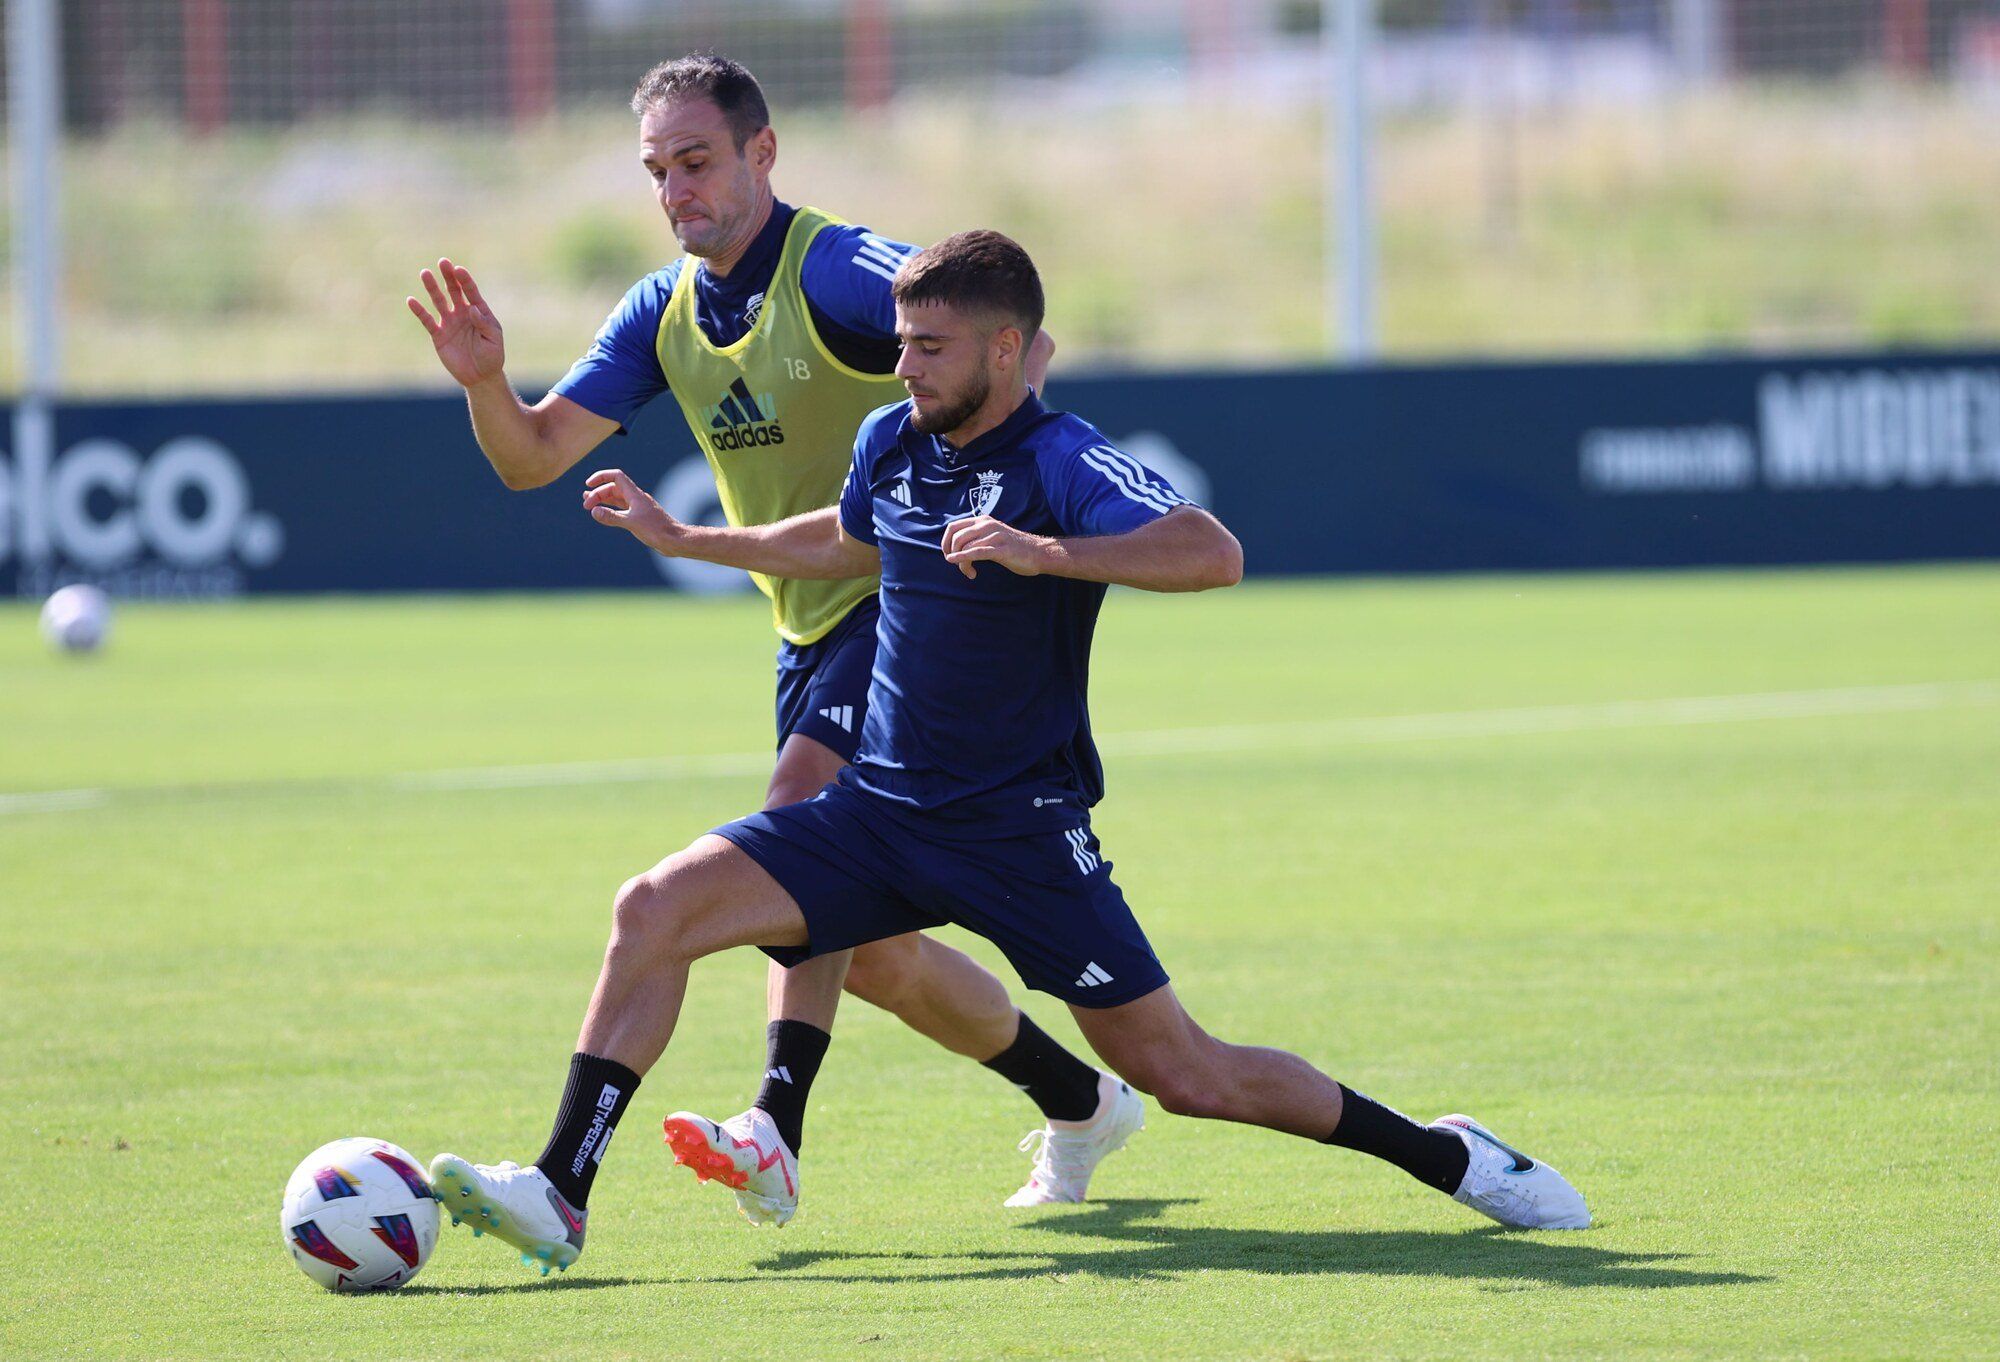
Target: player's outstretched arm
527,446
1186,549
803,548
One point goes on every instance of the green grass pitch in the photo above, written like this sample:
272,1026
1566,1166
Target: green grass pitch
1485,845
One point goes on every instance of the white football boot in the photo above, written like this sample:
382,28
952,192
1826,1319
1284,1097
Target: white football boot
1069,1151
1506,1185
515,1204
745,1154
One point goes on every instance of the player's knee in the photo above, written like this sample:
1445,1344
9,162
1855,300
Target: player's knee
886,974
636,913
653,913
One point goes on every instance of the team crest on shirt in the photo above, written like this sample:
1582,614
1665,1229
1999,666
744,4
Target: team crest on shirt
756,306
985,493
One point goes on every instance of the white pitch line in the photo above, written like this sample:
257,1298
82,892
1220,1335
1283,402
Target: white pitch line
587,772
50,801
1475,723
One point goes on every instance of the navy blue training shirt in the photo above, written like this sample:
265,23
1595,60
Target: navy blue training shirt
977,707
846,275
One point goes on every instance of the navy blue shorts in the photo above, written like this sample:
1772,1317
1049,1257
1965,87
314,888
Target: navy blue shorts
823,686
860,870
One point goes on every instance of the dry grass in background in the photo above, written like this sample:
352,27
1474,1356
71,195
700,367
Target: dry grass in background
1169,235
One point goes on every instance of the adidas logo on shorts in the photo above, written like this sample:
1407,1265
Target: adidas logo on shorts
1093,975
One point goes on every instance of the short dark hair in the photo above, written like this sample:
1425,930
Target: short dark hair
978,269
703,75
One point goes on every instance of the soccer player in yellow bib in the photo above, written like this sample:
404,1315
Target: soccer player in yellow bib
776,336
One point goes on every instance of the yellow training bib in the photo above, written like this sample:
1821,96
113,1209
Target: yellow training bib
776,415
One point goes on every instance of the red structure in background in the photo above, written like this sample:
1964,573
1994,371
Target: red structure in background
870,57
531,59
1906,36
1210,26
205,63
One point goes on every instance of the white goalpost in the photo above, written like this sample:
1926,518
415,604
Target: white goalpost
34,79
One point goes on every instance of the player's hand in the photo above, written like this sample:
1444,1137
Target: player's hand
982,539
465,332
612,498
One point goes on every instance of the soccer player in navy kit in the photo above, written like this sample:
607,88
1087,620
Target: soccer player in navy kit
997,524
788,309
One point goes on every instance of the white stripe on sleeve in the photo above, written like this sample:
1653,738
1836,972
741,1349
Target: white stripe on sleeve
886,252
868,263
874,248
1142,476
1134,488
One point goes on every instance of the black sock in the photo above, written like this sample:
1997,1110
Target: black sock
595,1097
1063,1086
795,1050
1430,1156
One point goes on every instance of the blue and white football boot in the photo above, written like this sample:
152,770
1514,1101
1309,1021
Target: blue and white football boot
514,1204
1506,1185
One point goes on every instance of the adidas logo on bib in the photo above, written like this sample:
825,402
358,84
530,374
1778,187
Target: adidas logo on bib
742,420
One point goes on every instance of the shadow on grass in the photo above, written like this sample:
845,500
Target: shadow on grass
1146,1249
558,1282
1149,1249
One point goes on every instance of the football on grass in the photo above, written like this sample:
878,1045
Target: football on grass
359,1216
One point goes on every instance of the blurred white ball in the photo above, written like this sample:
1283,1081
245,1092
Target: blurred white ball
76,619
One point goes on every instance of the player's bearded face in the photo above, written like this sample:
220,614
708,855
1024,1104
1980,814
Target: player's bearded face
951,407
945,366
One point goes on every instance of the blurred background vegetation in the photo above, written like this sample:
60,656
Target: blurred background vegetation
1554,177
